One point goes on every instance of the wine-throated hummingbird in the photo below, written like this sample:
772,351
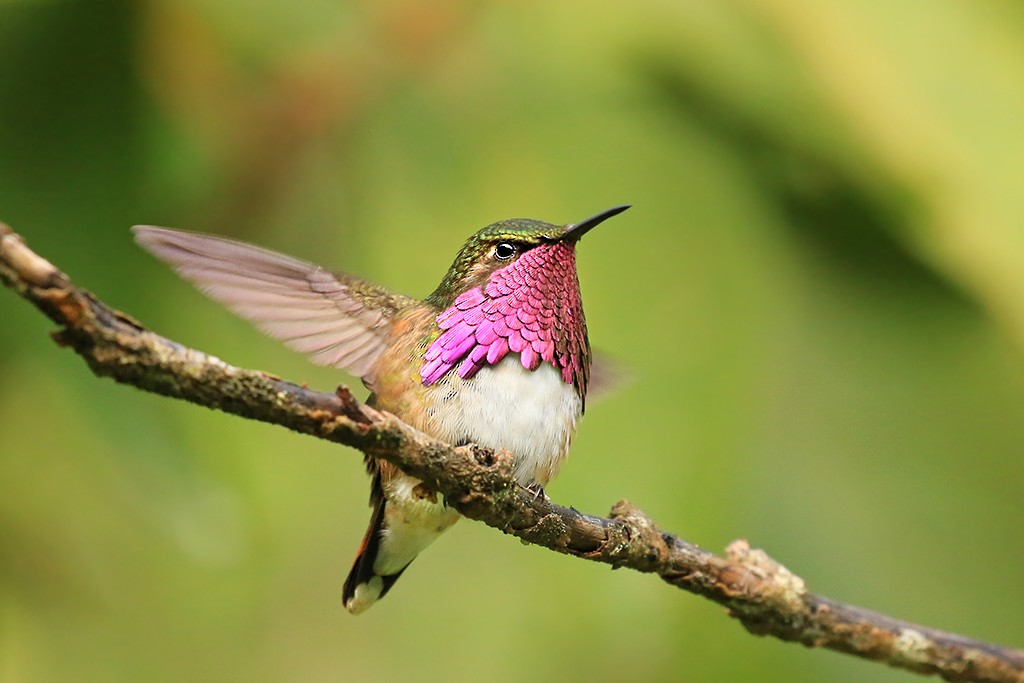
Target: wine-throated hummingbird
497,355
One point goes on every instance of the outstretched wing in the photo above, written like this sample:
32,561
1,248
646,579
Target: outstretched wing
335,319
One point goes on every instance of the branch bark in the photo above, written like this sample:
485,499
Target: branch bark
762,594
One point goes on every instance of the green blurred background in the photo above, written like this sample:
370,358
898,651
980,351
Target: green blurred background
819,296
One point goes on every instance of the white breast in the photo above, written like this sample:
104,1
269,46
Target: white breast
532,414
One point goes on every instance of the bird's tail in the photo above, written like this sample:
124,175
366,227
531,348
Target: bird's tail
364,586
403,523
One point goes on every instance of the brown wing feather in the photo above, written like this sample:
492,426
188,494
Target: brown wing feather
335,319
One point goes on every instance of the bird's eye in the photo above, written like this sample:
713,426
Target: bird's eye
503,251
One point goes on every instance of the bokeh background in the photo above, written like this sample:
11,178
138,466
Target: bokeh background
818,298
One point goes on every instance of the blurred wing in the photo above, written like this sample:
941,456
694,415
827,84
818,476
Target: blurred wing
608,376
336,319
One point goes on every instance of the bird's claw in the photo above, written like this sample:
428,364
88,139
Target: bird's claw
537,490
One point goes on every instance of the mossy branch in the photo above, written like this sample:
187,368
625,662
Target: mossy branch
763,595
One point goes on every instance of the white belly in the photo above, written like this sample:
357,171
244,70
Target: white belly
532,414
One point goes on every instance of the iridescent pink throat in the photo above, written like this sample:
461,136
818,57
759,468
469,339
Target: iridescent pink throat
531,307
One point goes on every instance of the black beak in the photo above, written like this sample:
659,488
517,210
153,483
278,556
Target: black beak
575,231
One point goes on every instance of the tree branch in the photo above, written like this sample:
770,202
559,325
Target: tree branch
758,591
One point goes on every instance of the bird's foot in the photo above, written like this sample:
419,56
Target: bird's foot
537,490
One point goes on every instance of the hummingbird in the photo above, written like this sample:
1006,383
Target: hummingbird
496,355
